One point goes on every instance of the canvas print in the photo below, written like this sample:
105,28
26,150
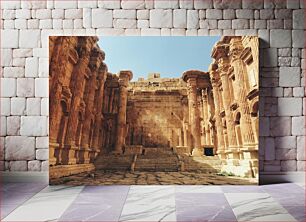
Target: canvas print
153,110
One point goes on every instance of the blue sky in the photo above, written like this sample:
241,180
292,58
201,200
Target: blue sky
169,56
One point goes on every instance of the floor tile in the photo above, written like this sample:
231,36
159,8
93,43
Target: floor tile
197,189
149,203
241,189
257,207
291,199
203,207
298,212
282,188
47,205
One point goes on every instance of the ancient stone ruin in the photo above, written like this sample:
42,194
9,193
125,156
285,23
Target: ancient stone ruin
202,122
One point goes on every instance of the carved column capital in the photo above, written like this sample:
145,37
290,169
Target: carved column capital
124,77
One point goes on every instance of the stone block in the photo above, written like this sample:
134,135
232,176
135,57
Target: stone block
18,166
86,18
298,92
34,165
10,4
264,126
6,57
301,166
178,32
65,4
73,13
13,72
110,31
127,14
109,4
270,57
288,92
251,4
285,142
33,106
142,23
125,23
224,24
33,24
295,61
42,142
269,148
23,13
58,13
20,23
298,126
283,13
245,14
280,38
41,87
284,61
42,154
33,4
289,76
25,87
260,24
191,32
45,165
214,14
240,24
165,32
293,4
280,126
203,4
166,4
132,4
18,106
208,24
227,4
43,14
5,106
298,19
3,129
264,38
192,19
8,24
31,67
19,148
102,18
160,18
288,165
143,14
22,53
8,87
87,4
9,38
46,24
150,32
186,4
301,148
285,154
8,14
13,125
43,67
34,126
29,38
68,24
290,106
179,18
298,38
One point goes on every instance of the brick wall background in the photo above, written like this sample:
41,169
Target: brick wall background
26,25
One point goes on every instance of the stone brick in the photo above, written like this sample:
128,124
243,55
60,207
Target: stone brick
8,14
73,13
288,24
240,24
18,166
285,142
289,76
202,14
203,4
293,4
295,62
191,32
13,125
58,13
192,19
290,106
34,165
301,148
280,126
21,53
270,57
65,4
213,14
298,126
121,13
23,13
283,14
298,19
275,24
260,24
87,4
10,4
229,14
41,87
150,32
42,142
160,18
288,92
20,23
285,154
43,13
68,24
42,154
125,23
284,61
31,67
179,18
33,4
19,148
251,4
245,14
33,106
86,18
5,106
25,87
288,165
3,129
8,87
166,4
9,38
225,4
266,14
178,32
142,23
264,39
186,4
134,4
29,38
269,148
110,31
298,92
301,166
224,24
45,165
280,38
13,72
132,32
109,4
18,106
165,32
298,38
102,18
43,67
9,24
143,14
34,126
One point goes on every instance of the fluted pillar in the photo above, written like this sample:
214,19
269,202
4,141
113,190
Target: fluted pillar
124,78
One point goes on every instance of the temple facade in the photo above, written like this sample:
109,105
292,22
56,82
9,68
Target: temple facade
97,117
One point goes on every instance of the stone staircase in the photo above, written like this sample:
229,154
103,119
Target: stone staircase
114,162
157,159
203,164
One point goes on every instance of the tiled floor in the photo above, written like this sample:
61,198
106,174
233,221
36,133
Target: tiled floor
39,202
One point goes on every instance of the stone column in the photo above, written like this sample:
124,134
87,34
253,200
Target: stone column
89,97
205,115
240,71
124,78
78,77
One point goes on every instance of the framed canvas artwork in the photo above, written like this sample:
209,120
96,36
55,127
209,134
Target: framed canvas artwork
153,110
